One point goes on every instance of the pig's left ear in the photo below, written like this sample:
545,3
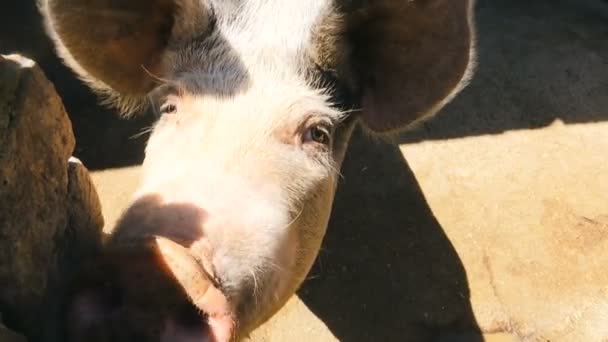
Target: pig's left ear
407,57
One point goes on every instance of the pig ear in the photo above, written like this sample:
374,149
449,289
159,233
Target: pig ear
116,45
408,58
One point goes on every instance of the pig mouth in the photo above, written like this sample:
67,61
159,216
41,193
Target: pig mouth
151,289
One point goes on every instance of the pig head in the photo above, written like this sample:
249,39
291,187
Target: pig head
256,100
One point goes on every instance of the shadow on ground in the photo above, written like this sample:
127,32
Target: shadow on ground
387,271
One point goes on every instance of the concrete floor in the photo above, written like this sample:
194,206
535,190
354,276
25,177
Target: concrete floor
491,217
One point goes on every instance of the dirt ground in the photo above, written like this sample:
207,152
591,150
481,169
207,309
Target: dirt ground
447,225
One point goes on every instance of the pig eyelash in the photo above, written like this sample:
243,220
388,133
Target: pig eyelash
317,139
168,108
143,132
162,99
318,133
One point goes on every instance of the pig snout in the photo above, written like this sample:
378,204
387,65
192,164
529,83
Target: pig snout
149,289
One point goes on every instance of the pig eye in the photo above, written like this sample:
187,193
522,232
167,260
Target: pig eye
318,134
168,108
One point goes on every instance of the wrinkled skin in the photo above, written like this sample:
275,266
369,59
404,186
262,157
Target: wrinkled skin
256,102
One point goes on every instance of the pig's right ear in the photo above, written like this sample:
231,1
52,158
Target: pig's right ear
117,45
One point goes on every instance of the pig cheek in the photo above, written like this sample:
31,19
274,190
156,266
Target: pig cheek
314,224
279,284
288,259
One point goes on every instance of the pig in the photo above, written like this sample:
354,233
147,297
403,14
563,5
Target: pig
256,101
